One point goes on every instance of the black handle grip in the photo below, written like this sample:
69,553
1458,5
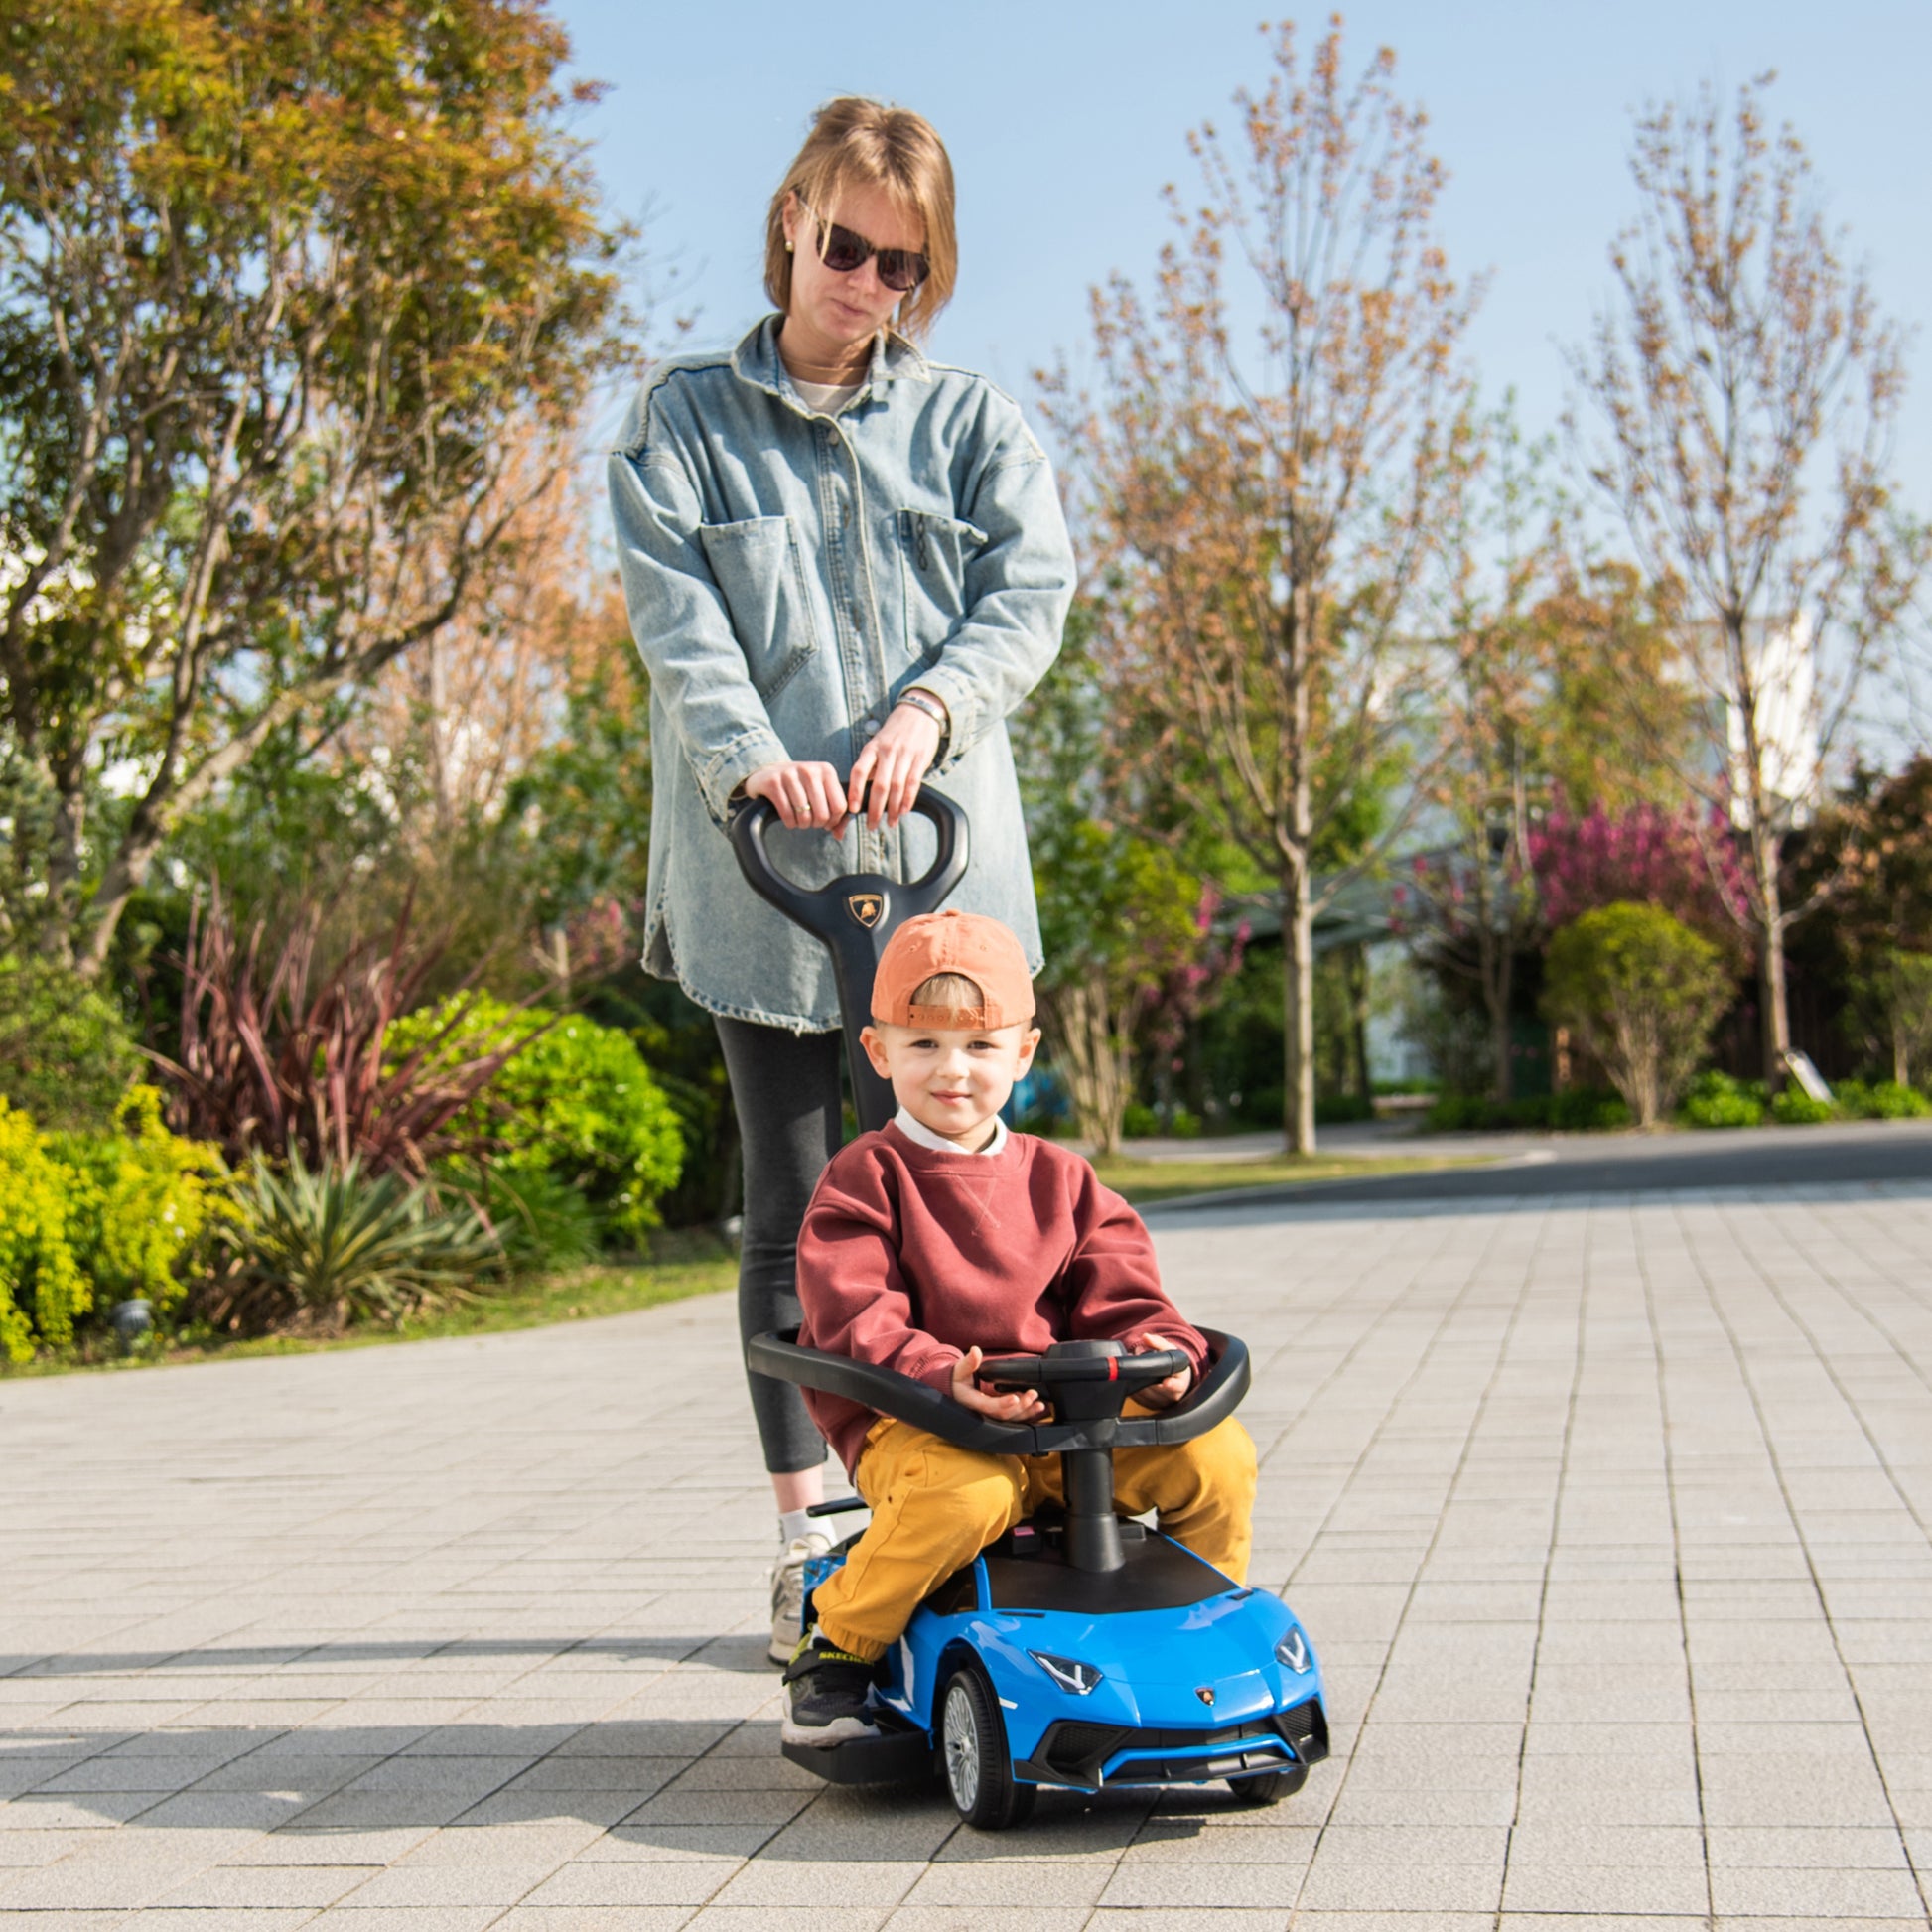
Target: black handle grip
822,910
1052,1371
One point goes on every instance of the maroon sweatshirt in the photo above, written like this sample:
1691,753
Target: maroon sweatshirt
909,1257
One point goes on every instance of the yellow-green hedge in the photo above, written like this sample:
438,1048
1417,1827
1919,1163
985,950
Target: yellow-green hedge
87,1220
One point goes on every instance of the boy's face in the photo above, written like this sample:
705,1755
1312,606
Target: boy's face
953,1081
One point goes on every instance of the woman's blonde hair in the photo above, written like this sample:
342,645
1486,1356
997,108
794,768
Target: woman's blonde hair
859,143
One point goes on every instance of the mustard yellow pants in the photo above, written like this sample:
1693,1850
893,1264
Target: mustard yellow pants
935,1507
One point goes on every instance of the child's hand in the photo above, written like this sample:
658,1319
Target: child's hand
1023,1406
1160,1395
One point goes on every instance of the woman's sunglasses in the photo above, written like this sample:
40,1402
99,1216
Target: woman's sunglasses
900,269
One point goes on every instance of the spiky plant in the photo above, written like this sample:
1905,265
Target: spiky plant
328,1246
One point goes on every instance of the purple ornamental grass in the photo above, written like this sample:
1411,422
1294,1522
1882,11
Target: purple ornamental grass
274,1059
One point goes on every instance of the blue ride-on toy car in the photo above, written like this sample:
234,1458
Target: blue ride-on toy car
1081,1649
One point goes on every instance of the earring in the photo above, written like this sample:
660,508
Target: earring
787,248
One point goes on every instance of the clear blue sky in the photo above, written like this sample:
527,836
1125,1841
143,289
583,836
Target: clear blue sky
1065,117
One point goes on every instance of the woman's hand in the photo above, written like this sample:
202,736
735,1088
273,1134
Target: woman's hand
1163,1395
808,795
893,764
1024,1405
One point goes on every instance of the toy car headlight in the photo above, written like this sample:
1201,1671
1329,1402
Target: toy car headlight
1293,1650
1066,1673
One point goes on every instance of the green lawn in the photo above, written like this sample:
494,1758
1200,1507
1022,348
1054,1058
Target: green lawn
1144,1182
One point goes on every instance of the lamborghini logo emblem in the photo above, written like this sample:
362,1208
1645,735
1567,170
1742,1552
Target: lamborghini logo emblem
867,908
1205,1693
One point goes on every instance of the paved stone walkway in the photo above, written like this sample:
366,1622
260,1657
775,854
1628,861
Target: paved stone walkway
1609,1517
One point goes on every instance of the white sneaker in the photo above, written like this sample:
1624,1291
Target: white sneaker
788,1593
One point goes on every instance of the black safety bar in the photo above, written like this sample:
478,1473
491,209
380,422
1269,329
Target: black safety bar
1210,1402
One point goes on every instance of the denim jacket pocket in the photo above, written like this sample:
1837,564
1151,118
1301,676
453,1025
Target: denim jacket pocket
935,554
762,577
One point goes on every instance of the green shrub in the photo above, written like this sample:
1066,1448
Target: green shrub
327,1248
1894,1100
41,1288
66,1057
1887,1100
1642,992
1458,1113
1716,1100
1853,1100
1894,994
541,1222
577,1102
142,1200
1144,1123
1794,1107
1576,1110
87,1220
1337,1109
1588,1110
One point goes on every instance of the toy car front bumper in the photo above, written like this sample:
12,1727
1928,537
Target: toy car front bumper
1089,1755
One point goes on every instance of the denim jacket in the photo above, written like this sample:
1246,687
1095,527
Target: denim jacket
788,574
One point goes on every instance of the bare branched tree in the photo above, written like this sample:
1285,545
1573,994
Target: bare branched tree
1746,390
1257,523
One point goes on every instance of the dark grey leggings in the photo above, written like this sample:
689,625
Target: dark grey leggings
786,1089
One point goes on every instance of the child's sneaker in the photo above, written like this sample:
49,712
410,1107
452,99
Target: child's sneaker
788,1595
826,1695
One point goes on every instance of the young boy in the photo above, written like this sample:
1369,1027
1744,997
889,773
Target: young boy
944,1239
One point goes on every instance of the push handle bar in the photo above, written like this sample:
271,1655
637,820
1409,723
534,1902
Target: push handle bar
854,916
825,911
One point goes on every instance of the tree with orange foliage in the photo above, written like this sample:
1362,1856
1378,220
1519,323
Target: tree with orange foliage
277,285
1259,521
1746,387
467,731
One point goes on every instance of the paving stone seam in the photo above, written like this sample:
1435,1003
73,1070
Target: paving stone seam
1472,1276
1660,1383
1746,1375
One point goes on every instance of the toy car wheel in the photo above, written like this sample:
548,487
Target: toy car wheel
1268,1788
973,1749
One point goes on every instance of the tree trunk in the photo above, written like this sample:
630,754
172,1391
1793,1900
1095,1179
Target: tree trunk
1090,1057
126,874
1771,968
65,865
1358,988
1499,975
1297,1011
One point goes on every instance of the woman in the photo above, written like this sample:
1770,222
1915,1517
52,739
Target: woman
844,565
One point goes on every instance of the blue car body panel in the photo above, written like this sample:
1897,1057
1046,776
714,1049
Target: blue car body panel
1177,1680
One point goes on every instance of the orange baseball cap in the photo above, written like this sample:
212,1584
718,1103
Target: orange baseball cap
968,943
